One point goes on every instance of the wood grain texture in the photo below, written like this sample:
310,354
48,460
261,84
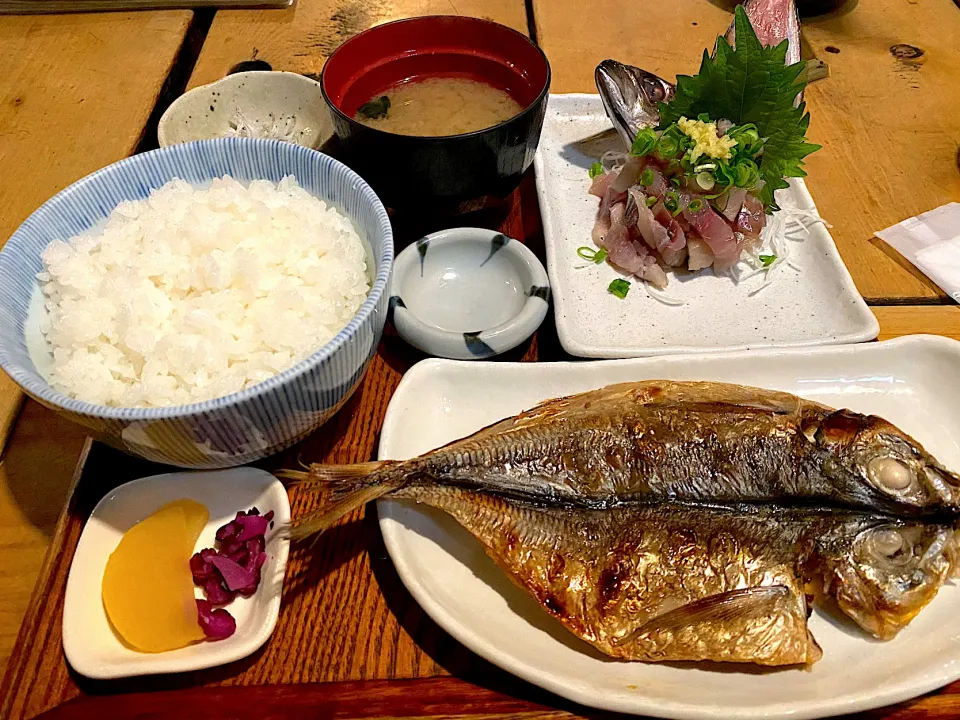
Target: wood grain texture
446,697
889,145
300,38
911,320
75,94
36,476
63,75
889,140
41,7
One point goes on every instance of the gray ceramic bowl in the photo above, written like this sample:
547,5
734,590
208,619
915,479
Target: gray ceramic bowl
240,427
468,293
272,105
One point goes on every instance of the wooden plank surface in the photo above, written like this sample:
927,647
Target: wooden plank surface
36,476
910,320
40,7
75,95
63,75
300,38
888,126
442,697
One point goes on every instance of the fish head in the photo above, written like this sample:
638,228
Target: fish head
630,96
891,572
889,462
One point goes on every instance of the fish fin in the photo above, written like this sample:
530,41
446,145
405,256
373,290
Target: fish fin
319,521
347,487
668,637
721,608
330,476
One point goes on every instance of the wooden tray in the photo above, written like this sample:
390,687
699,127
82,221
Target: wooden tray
39,7
350,641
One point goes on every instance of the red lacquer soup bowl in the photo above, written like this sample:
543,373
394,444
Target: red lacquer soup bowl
409,171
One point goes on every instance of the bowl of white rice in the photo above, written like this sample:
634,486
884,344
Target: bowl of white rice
203,305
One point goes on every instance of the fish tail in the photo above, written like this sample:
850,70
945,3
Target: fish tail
332,477
349,486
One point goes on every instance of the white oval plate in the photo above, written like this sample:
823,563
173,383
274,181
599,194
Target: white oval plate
819,305
914,382
91,646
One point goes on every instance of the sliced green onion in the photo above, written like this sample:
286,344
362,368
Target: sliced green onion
703,117
596,169
705,180
747,137
747,173
724,174
594,256
619,287
695,205
705,166
767,260
675,181
651,201
646,177
671,203
668,146
644,143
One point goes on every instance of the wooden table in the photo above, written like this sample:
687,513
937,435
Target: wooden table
347,621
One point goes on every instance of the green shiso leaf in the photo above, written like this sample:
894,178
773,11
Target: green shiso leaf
751,84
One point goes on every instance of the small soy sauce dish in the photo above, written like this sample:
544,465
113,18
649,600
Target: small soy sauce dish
467,293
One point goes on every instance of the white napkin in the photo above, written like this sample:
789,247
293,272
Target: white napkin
931,242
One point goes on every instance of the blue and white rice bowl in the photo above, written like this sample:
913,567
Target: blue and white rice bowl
240,427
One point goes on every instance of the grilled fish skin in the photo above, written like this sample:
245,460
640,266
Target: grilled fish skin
678,583
655,441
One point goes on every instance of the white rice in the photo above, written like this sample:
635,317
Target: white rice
194,294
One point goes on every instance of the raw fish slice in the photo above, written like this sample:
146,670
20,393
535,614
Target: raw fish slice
715,232
653,233
751,218
699,254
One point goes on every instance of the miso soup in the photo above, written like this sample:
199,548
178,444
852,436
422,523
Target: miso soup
438,106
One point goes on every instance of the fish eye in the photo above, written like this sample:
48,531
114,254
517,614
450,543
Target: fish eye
890,474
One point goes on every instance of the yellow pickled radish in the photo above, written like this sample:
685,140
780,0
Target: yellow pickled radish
147,585
196,516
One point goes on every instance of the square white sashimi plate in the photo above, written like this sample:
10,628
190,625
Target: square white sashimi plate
817,304
913,382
